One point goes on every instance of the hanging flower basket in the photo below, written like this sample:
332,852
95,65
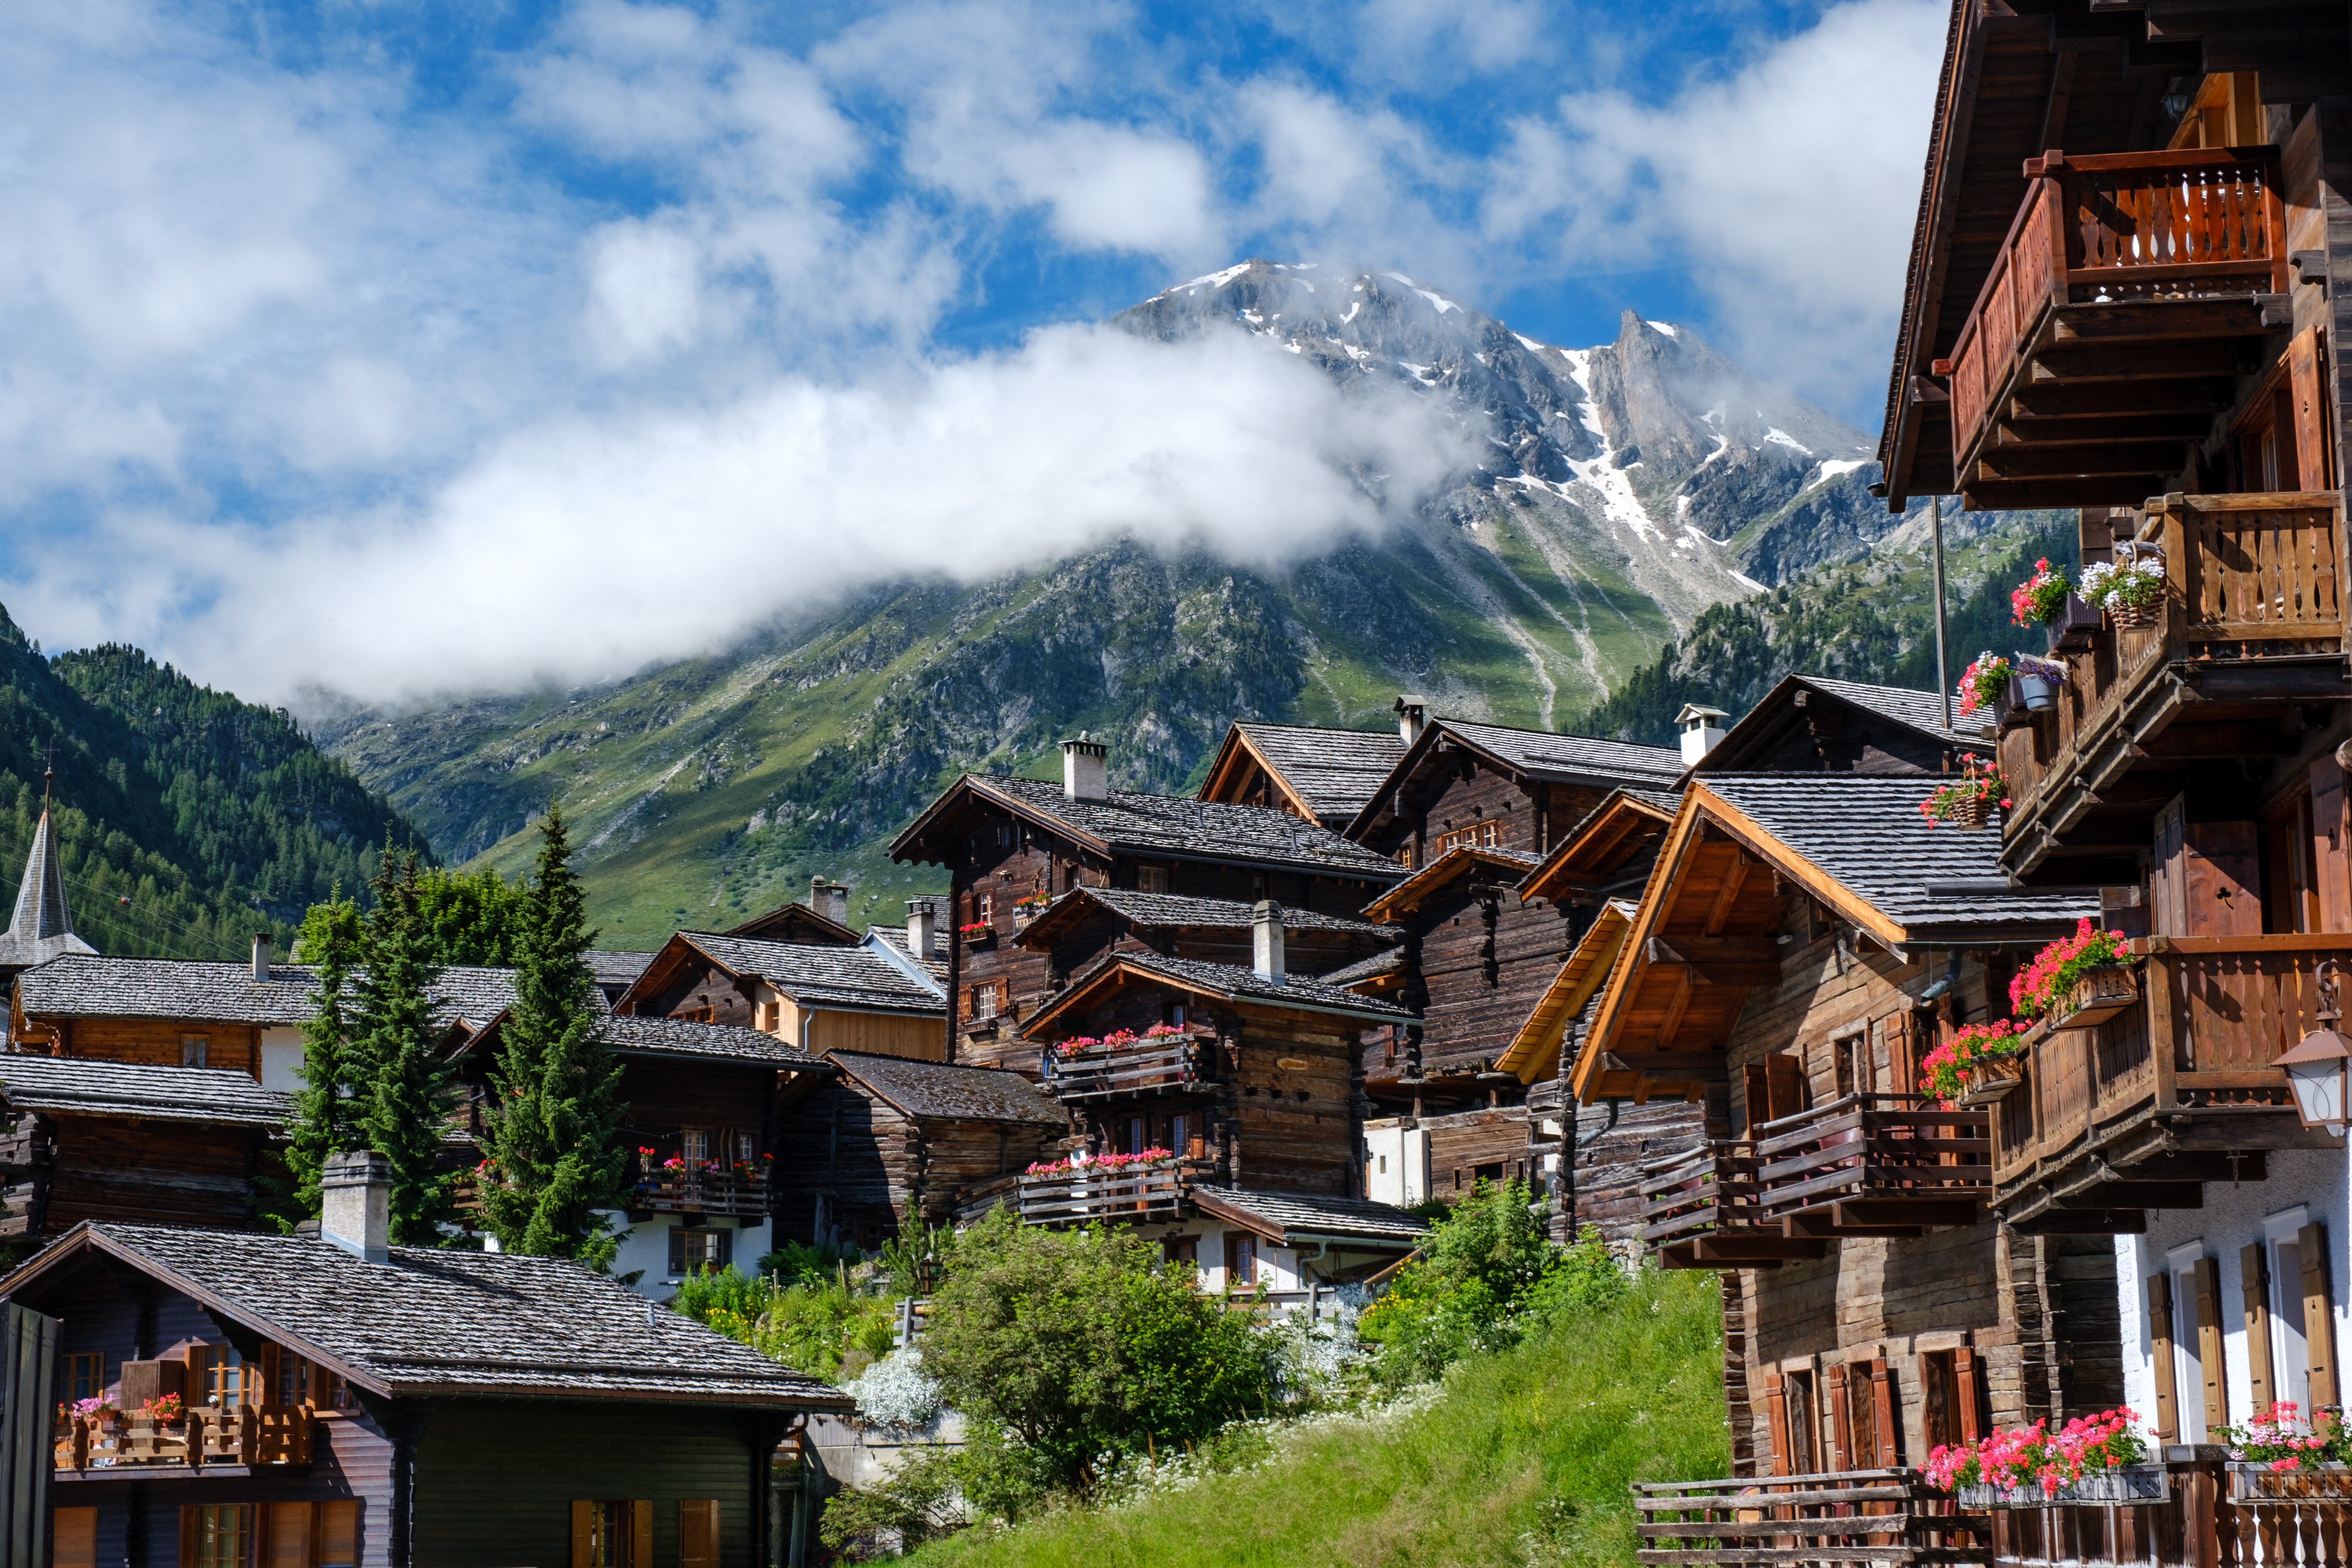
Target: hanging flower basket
1983,682
2098,996
2076,626
2132,592
1969,800
2097,1489
1971,812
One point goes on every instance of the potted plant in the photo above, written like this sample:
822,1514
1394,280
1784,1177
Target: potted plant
2077,981
1029,906
1979,1064
1967,801
2037,681
2097,1459
2131,592
979,933
1983,683
2278,1456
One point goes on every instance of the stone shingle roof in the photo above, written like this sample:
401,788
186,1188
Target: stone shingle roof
1545,755
1185,828
615,971
1311,1215
1167,910
1242,984
1378,966
681,1038
41,927
91,988
941,1091
1865,832
1337,771
850,977
88,1087
1922,711
457,1323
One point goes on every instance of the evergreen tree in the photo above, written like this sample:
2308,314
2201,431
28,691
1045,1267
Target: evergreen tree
324,1119
404,1085
555,1156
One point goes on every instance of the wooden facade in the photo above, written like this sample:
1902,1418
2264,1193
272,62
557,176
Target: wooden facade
1814,725
813,996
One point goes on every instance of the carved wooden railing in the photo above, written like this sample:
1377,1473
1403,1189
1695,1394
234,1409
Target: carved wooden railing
1707,1191
1856,1516
1874,1159
2116,228
723,1190
1173,1064
242,1436
1120,1192
2200,1525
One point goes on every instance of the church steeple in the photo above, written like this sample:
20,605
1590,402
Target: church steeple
41,928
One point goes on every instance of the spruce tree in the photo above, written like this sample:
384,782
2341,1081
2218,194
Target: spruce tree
323,1119
405,1086
553,1132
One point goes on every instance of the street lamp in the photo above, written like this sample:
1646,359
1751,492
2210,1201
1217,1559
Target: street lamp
2320,1067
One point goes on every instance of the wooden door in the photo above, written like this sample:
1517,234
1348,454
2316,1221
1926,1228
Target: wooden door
2224,880
2331,877
2167,888
698,1533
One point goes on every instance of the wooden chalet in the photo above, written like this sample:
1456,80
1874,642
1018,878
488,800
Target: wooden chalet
880,1138
1083,924
817,998
1323,776
109,1141
1010,845
349,1404
40,927
822,920
1813,723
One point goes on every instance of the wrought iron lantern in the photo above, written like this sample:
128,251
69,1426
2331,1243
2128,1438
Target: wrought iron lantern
2320,1067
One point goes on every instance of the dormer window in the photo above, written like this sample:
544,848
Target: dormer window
1151,879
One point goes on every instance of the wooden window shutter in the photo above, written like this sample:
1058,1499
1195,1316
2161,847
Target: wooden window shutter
286,1535
698,1533
1968,1393
73,1538
2331,869
2318,1314
2209,1364
1840,1420
584,1533
1776,1406
2254,1275
1785,1088
187,1536
641,1535
1758,1096
338,1533
2159,1338
1938,1414
2167,878
2307,386
1882,1408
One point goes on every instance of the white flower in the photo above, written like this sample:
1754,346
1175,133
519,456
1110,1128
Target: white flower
896,1391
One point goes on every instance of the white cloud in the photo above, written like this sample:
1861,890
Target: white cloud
644,291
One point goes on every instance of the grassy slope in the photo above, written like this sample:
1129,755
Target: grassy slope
1525,1458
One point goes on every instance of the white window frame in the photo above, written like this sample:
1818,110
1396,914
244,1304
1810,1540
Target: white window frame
2289,1356
2187,1371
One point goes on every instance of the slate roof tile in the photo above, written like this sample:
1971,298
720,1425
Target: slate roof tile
615,971
1922,711
1247,984
1320,1214
1546,755
1197,829
634,1036
944,1091
92,1087
1373,968
1160,910
821,976
92,987
1337,770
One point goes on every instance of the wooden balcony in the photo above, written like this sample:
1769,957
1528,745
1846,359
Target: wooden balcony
239,1437
1699,1210
2178,1089
1856,1515
2200,1525
719,1191
2251,632
1873,1164
2130,290
1173,1064
1118,1194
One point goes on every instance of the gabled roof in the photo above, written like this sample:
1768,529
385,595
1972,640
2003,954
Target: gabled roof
1226,982
615,971
1162,827
1535,756
1292,1219
1788,704
1534,1052
1595,852
682,1039
41,929
1170,911
795,924
1409,894
1369,975
941,1092
447,1324
88,1087
852,979
165,988
1327,775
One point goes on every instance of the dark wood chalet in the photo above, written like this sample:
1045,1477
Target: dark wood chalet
424,1407
1812,723
1482,786
83,1140
1083,924
817,997
1012,845
822,920
40,927
1323,776
883,1137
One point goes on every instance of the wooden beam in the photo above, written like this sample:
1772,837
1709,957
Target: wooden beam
2159,320
2151,461
2104,401
1733,880
2188,425
2078,362
1679,1065
2026,495
2192,743
1677,1006
2136,1196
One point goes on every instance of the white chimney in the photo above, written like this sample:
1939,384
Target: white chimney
357,1213
919,928
1413,715
1265,941
830,899
261,957
1086,768
1702,728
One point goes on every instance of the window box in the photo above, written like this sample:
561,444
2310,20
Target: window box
2076,626
2101,1489
1991,1077
2259,1483
2009,709
2099,995
978,936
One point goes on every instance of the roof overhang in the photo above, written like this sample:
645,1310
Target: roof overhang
1211,1202
1407,895
1579,978
974,790
1116,970
1236,753
1610,836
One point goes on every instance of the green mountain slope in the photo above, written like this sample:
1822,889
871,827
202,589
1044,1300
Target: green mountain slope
188,819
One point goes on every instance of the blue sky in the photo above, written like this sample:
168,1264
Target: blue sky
400,350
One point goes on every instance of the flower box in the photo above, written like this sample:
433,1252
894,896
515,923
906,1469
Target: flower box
2073,627
2097,1489
2098,996
1990,1078
2009,709
2259,1483
980,936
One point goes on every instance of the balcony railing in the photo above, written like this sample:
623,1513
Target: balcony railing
1855,1516
2200,1525
1699,1210
2124,229
722,1190
2136,1111
242,1435
1873,1164
1174,1064
1086,1193
2253,617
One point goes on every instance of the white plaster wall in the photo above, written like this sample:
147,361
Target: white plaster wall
2232,1217
1399,1171
281,1054
644,1250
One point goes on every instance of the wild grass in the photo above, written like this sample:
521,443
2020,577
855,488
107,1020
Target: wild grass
1518,1458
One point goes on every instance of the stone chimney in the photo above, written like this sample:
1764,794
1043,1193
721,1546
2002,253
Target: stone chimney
830,899
1265,941
1413,716
1702,728
261,958
1086,768
357,1214
919,928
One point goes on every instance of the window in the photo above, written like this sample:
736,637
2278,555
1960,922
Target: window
698,1533
1151,879
700,1247
1405,857
1183,1133
1139,1135
983,908
73,1537
744,1148
1490,835
694,1146
218,1535
1852,1061
2302,1311
613,1534
1241,1259
301,1381
1181,1249
219,1375
82,1376
980,1001
192,1050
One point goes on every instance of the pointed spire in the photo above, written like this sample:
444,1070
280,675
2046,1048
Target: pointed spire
41,897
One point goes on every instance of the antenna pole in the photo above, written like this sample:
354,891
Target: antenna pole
1943,668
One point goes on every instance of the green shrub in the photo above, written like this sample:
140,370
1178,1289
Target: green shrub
822,1328
797,1262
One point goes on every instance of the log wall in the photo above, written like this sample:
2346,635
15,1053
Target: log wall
235,1047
